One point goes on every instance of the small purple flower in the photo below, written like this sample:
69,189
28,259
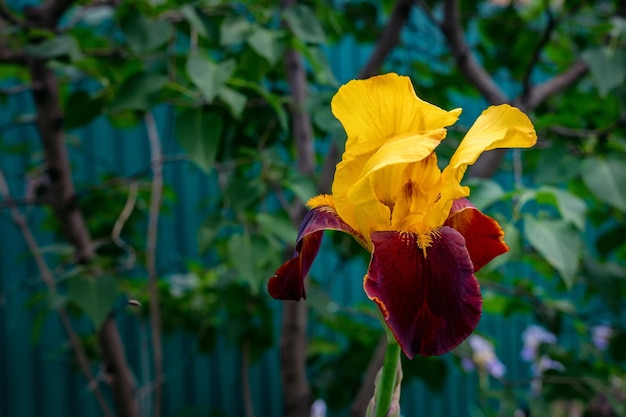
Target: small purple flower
545,363
484,357
467,364
318,409
533,337
600,335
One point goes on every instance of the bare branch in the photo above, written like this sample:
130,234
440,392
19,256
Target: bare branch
555,85
156,197
534,59
469,66
297,392
65,205
48,278
388,38
489,162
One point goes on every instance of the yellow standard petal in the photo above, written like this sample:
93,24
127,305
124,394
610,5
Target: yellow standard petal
500,126
497,127
383,106
384,177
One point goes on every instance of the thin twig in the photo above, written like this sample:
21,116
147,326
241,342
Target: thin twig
156,197
121,221
48,278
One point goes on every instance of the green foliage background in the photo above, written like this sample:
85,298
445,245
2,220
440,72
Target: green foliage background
212,74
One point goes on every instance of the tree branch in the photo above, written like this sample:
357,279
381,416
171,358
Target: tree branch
469,66
64,203
293,346
388,38
531,97
534,59
555,85
151,246
48,278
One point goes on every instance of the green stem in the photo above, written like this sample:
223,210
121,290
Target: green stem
387,384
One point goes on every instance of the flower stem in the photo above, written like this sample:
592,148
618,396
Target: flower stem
387,384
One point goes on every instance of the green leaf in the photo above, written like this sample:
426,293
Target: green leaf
279,226
199,132
235,101
95,296
304,24
143,34
208,76
557,242
302,186
607,67
266,43
242,257
209,230
194,19
138,92
80,109
233,30
319,61
484,192
62,45
273,100
571,207
605,178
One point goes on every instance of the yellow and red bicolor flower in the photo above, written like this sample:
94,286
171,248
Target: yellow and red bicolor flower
426,239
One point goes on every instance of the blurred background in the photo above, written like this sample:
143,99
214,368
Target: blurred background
155,156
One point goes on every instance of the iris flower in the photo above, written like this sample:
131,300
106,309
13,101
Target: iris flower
425,238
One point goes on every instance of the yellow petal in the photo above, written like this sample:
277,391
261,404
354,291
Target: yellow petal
347,172
383,177
377,108
497,127
422,184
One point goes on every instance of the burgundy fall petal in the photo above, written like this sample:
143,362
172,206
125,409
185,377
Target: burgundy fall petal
483,235
288,280
431,302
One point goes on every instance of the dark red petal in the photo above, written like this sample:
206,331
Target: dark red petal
430,302
483,235
288,280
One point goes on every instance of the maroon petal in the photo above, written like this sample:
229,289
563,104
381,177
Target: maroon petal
288,280
431,301
483,235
